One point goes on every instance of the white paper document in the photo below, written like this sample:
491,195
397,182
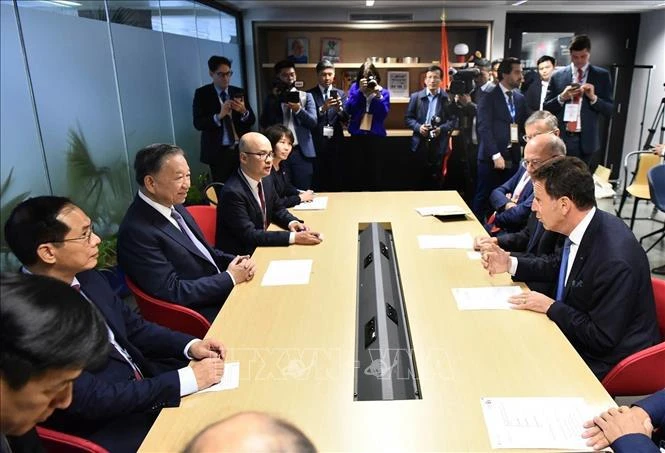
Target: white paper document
287,272
536,422
317,204
230,378
441,210
442,241
485,298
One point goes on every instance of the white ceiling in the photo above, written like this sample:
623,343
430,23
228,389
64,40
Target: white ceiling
573,6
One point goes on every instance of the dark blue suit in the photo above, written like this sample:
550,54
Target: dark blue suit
533,94
109,406
608,310
513,219
494,122
588,141
240,220
639,443
428,153
164,262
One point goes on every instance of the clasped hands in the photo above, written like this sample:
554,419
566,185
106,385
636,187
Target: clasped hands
304,236
603,430
208,364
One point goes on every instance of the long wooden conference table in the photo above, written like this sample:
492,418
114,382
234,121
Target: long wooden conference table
296,344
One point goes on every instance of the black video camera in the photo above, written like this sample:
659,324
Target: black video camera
462,82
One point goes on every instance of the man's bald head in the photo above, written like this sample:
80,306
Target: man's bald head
251,432
255,155
252,141
541,149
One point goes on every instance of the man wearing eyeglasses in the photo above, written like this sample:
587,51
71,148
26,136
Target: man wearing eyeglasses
145,367
511,201
249,204
222,115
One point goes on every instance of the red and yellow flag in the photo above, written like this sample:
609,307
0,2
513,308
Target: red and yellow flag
445,80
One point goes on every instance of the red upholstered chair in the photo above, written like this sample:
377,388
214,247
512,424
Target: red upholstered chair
57,442
206,219
167,314
642,373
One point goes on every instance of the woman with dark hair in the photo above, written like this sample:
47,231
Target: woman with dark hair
281,139
368,105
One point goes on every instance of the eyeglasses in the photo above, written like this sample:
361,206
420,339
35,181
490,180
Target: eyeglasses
87,236
535,163
264,156
526,138
224,74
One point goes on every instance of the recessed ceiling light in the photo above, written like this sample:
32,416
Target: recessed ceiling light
369,2
521,2
61,2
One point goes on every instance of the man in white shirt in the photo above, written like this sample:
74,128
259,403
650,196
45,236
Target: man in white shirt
537,91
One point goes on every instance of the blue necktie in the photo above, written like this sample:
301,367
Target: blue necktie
561,284
227,136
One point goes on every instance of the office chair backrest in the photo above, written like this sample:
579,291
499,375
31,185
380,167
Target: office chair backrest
656,178
646,162
57,442
659,297
206,219
167,314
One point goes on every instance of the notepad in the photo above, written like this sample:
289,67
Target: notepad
442,241
287,272
536,422
485,298
442,210
230,379
317,204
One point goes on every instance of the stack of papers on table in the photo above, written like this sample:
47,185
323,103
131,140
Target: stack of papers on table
442,210
486,298
317,204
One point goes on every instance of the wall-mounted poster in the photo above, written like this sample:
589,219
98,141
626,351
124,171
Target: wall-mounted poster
398,84
297,50
331,49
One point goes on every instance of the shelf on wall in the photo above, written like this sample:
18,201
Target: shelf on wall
377,65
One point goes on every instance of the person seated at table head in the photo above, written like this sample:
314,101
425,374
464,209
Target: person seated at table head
512,200
249,204
145,367
629,429
160,246
50,334
251,432
604,302
281,139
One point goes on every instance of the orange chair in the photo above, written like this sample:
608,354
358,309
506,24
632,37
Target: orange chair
57,442
206,219
642,373
167,314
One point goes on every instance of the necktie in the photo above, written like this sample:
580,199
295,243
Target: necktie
572,126
198,244
120,352
561,283
263,205
229,136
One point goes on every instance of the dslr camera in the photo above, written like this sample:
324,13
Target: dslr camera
433,124
371,82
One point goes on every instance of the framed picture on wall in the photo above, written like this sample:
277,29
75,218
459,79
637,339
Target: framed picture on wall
297,50
331,49
398,84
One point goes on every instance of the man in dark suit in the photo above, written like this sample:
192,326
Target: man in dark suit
329,133
580,94
249,204
161,248
628,429
299,115
427,115
604,301
146,364
501,116
511,201
539,89
222,116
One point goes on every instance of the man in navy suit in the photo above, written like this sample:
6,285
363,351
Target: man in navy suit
628,429
511,201
222,116
538,91
329,133
146,366
581,93
604,301
299,115
249,204
427,115
501,116
160,246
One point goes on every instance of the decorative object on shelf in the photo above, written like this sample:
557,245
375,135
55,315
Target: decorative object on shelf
391,60
331,49
375,60
297,50
348,77
398,84
461,50
411,60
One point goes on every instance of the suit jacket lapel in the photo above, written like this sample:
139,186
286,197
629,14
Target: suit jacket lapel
248,192
582,253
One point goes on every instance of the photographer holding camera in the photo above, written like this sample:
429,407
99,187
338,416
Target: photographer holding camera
367,105
296,110
428,118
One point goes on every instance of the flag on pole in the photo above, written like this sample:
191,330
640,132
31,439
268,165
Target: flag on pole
445,80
